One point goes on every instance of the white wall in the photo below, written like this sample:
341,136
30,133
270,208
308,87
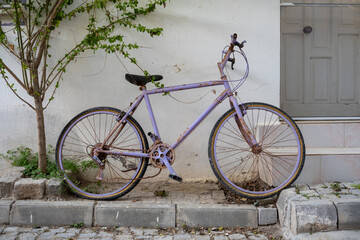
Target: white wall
195,33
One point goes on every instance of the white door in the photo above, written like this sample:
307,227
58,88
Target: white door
320,59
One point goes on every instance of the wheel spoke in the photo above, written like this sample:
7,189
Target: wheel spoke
87,133
262,170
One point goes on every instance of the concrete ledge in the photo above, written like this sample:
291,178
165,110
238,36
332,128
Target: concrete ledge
5,206
57,213
134,214
348,214
217,215
313,216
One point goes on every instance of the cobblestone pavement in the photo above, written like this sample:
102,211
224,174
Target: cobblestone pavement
121,233
333,190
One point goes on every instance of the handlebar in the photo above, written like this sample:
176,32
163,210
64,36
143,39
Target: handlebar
236,43
226,58
231,49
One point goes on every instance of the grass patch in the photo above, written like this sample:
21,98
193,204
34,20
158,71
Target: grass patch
356,186
25,157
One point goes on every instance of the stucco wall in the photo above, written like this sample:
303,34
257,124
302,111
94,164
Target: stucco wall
195,33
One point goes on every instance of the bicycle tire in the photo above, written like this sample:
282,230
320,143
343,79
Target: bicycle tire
257,174
81,136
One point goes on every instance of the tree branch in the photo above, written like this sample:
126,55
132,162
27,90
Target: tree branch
48,23
13,75
7,83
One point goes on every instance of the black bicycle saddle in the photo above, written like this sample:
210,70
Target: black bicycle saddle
140,80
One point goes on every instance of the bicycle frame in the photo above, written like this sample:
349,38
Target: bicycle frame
227,93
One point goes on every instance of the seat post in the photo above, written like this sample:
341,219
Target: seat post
150,111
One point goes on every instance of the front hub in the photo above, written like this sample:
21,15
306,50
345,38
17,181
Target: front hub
256,149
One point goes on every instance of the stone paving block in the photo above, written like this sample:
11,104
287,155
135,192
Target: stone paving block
237,236
134,214
130,237
302,187
27,188
267,216
334,235
317,186
348,214
195,215
27,236
7,185
45,213
313,216
324,191
8,236
309,193
5,206
54,188
355,192
202,237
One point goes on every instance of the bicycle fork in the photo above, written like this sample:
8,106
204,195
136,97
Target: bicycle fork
245,131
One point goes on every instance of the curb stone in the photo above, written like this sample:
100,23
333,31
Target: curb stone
35,212
136,215
207,215
313,216
348,213
5,206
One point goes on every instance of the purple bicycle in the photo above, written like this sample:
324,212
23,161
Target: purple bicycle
255,149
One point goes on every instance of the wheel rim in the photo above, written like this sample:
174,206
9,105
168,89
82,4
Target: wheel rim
264,169
80,170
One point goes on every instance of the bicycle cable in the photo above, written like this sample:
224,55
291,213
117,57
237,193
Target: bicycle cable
244,77
192,102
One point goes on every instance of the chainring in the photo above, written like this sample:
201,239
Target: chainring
159,151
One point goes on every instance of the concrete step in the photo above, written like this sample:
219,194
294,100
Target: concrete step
330,145
319,208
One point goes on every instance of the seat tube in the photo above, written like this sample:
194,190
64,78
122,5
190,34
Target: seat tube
151,113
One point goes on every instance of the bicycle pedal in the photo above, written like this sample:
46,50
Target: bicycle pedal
175,177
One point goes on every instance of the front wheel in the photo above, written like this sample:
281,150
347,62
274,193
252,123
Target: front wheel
272,166
84,134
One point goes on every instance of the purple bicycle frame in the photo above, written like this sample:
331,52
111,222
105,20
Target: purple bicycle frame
145,95
227,93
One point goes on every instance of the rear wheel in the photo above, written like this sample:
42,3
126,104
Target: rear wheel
82,136
262,171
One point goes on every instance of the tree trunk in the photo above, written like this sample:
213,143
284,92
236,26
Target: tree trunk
41,132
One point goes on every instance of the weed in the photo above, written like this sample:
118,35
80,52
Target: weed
77,225
356,186
335,186
306,196
336,194
24,157
297,190
161,193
